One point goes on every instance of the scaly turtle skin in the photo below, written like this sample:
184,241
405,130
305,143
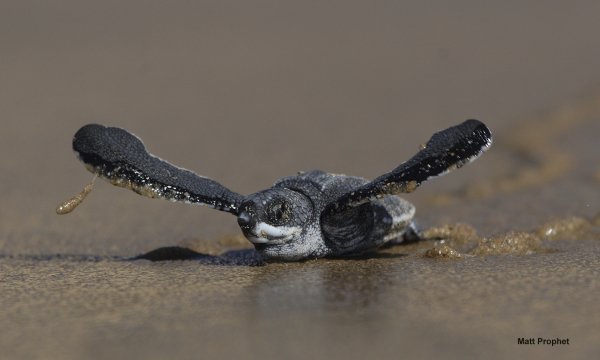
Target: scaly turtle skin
310,215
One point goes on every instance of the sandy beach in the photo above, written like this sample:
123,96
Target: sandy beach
246,94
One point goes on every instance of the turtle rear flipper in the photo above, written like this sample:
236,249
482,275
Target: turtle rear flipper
121,158
446,150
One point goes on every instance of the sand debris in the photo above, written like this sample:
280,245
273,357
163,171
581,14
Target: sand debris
521,243
442,252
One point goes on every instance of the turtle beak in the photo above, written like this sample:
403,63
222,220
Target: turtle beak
248,226
245,221
263,233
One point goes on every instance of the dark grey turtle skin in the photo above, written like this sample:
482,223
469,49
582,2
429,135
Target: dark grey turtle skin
310,215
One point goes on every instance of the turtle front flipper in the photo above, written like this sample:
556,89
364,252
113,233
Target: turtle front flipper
121,158
446,150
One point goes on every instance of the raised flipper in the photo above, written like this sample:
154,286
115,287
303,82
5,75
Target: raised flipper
445,151
121,158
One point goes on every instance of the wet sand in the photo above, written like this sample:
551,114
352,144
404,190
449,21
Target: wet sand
246,95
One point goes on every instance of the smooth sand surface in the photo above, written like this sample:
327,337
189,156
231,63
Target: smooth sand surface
247,92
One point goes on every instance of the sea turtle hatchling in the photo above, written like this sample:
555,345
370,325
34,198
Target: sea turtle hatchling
310,215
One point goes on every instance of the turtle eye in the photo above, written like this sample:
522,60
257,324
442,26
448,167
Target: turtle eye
279,211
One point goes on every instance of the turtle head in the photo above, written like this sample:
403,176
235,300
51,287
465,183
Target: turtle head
276,221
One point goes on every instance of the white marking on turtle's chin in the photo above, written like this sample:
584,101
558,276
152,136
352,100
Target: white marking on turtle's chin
264,233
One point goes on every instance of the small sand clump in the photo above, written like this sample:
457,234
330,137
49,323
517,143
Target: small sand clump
574,228
520,243
456,234
442,252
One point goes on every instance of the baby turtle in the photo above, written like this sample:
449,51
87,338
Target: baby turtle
310,215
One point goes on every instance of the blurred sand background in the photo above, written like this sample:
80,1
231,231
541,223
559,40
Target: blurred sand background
247,92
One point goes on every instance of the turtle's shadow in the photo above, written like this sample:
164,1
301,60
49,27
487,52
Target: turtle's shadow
243,257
